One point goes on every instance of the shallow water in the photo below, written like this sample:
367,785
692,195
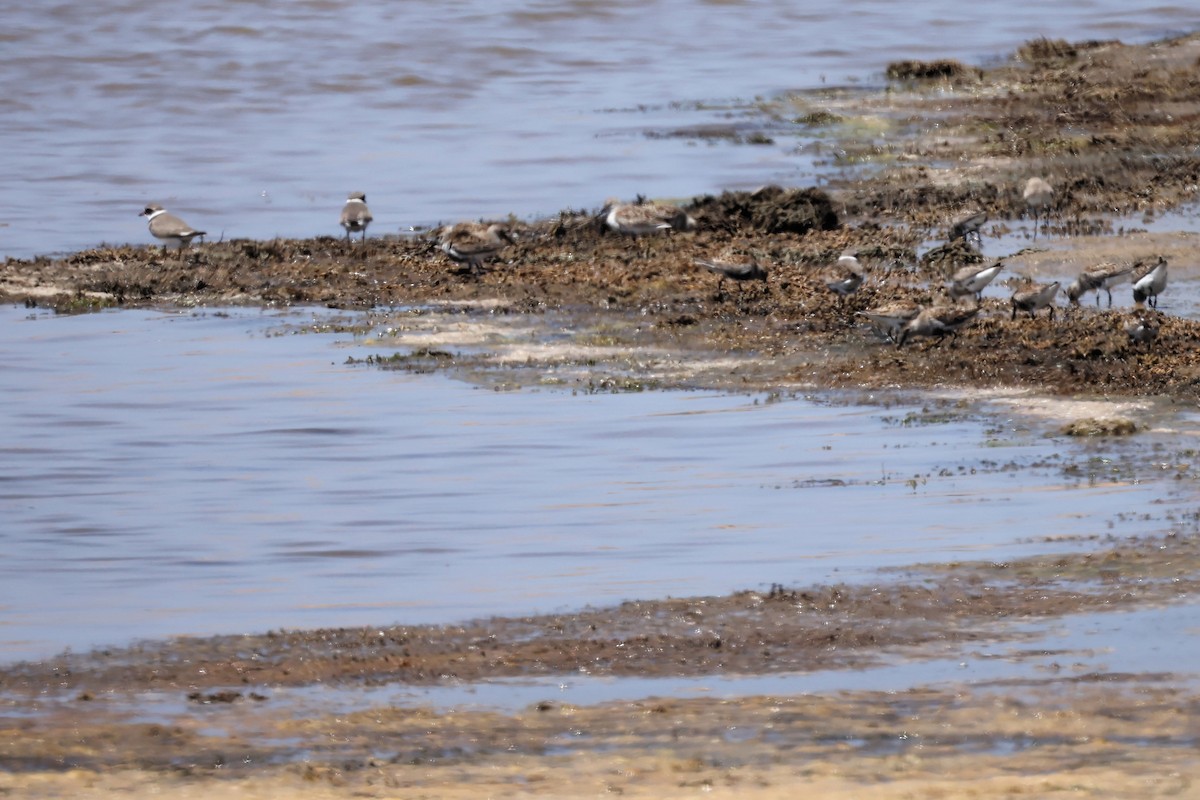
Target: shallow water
255,119
221,472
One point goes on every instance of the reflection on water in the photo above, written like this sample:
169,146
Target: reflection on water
253,119
199,472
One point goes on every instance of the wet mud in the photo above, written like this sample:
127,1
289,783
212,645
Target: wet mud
1112,127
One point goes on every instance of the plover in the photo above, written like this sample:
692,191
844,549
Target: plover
1148,282
736,271
937,321
888,320
473,243
1102,276
844,276
355,215
1038,196
1035,299
638,219
972,280
168,228
967,229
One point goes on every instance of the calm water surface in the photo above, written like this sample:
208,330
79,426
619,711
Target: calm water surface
254,119
201,472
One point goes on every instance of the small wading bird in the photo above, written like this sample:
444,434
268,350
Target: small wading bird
888,320
1038,196
736,271
638,219
937,321
1148,282
1035,299
1093,279
355,215
168,228
972,280
844,276
473,243
1141,330
967,229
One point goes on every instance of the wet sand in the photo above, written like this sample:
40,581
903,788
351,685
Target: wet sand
1112,126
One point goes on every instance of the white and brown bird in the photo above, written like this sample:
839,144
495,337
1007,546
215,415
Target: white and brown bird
355,215
473,243
1035,299
1149,280
844,276
168,228
1038,196
737,271
967,229
639,219
1093,279
937,321
972,281
888,320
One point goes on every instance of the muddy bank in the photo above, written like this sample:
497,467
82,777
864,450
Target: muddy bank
72,724
1110,126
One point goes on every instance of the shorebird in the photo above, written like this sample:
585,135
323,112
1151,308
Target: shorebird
1035,299
1038,196
1148,282
844,276
967,229
355,215
1103,276
473,243
937,321
972,280
637,219
888,320
1141,330
736,271
169,228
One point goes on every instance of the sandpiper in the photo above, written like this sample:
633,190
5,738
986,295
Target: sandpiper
888,320
967,229
1038,196
937,321
637,219
1102,276
355,215
169,228
473,243
1141,330
1035,299
972,280
1148,282
736,271
844,276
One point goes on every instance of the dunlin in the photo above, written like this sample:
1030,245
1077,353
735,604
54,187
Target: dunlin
1148,281
890,319
637,219
169,228
355,215
967,229
736,271
1035,299
1103,276
1038,196
937,321
473,243
844,276
1141,330
972,280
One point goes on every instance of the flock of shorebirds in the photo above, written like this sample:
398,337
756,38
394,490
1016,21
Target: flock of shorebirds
473,244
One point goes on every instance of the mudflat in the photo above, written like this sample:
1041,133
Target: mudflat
1111,127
